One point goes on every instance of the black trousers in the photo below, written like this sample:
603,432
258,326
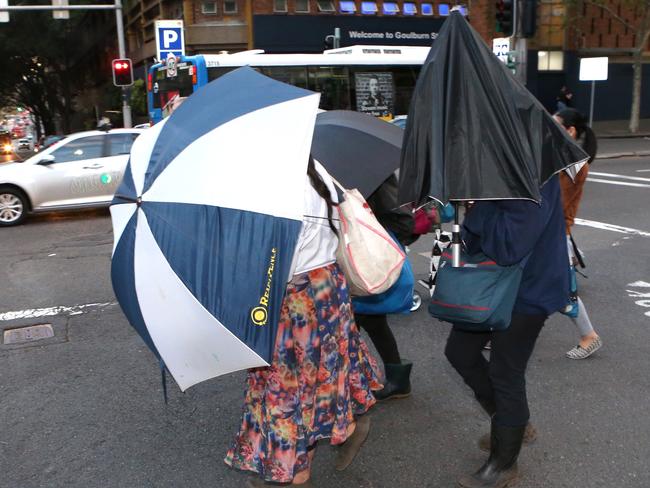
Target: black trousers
500,383
381,336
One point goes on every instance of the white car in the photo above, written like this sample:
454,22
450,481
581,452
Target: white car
82,170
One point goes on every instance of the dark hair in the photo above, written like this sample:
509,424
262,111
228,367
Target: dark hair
572,118
323,191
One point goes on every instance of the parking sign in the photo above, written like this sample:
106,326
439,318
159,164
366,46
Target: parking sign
169,38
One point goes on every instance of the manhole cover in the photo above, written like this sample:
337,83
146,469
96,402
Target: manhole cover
28,334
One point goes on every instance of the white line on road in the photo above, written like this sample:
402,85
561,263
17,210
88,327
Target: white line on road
643,170
622,183
611,227
50,311
623,177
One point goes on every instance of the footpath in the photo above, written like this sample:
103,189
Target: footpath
616,141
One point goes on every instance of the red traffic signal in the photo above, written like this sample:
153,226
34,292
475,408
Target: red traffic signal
122,72
505,17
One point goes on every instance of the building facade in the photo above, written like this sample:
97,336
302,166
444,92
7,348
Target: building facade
565,32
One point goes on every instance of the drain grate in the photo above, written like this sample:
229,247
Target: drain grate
30,333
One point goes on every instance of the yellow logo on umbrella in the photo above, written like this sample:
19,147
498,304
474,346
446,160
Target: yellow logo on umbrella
260,314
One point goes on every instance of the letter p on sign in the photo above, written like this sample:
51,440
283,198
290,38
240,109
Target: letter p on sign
169,38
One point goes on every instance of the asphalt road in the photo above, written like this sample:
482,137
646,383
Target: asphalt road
84,409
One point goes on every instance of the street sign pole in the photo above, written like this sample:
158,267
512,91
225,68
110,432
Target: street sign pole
121,47
591,104
593,69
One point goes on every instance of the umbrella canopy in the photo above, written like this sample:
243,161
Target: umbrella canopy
359,150
206,221
474,132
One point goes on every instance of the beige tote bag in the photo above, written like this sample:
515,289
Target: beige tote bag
371,260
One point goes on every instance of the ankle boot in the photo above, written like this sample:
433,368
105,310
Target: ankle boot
398,382
500,470
530,436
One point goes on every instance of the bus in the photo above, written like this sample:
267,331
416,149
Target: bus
378,80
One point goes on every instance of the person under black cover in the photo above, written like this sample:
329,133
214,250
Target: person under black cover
507,231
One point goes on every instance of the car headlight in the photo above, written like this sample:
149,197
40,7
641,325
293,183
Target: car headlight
7,148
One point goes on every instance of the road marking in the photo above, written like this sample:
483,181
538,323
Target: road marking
611,227
622,183
624,177
639,294
47,312
640,284
643,170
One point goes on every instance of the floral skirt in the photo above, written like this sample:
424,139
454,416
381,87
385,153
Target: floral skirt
320,377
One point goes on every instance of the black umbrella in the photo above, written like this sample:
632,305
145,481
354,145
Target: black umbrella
359,150
474,132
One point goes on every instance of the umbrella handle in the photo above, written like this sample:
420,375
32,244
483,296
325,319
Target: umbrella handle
455,239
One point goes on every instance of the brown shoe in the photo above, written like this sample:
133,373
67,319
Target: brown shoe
350,448
530,436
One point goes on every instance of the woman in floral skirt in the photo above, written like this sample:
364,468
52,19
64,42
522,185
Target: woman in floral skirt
320,382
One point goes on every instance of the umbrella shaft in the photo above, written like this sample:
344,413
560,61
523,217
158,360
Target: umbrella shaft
455,246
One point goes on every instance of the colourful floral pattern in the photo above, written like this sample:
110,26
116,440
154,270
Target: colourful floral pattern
321,376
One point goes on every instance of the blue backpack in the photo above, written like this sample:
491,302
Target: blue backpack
477,296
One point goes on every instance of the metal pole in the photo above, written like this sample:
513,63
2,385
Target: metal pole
455,238
121,45
591,105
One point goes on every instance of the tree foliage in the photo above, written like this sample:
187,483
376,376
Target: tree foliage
47,63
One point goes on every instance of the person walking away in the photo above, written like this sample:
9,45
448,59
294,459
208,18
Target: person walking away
402,224
572,188
508,231
564,99
319,384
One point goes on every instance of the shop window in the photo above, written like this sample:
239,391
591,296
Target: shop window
347,7
229,6
391,8
426,9
369,8
443,9
209,8
325,6
302,6
410,8
280,5
550,60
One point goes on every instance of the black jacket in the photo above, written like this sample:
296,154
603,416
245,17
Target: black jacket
398,220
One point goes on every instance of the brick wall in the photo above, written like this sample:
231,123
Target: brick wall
595,27
220,16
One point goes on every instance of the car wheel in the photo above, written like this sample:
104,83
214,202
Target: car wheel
13,207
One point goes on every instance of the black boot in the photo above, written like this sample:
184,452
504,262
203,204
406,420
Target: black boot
500,470
398,383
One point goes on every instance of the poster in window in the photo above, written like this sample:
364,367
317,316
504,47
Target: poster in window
375,93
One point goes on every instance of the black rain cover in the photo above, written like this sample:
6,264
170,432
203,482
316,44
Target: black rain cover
474,132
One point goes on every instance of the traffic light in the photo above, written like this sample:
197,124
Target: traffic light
505,17
529,18
122,72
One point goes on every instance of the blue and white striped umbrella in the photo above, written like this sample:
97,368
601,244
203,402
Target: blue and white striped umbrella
206,221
